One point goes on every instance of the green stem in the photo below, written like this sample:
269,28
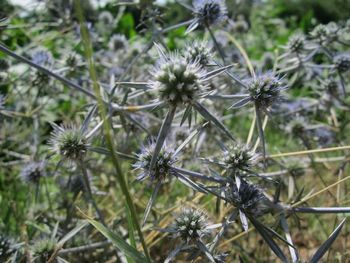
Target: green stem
107,129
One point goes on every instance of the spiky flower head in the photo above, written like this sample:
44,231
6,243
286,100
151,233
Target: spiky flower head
191,224
43,249
240,158
265,89
296,43
297,126
177,80
106,18
320,33
163,166
210,12
32,172
240,26
6,247
198,51
249,197
331,86
342,62
118,42
69,142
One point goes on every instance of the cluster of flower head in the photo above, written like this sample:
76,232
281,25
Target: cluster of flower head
177,80
162,168
69,142
191,224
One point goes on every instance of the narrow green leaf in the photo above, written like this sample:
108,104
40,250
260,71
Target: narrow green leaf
119,242
327,244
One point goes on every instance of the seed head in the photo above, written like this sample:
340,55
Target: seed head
296,43
106,18
265,90
177,80
4,65
249,198
342,62
331,86
240,158
33,172
69,142
43,249
198,51
191,224
210,12
162,168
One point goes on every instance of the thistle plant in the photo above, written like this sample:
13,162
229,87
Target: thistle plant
192,226
161,110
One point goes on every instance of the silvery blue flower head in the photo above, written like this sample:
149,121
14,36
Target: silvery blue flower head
320,33
69,142
296,43
33,172
265,89
342,62
247,197
240,158
118,42
198,51
210,12
176,80
191,224
163,166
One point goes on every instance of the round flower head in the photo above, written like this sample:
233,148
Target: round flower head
118,42
106,18
209,12
43,249
240,158
162,168
249,198
191,224
296,43
6,248
69,142
33,172
342,62
332,86
265,89
177,80
320,33
198,51
297,126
